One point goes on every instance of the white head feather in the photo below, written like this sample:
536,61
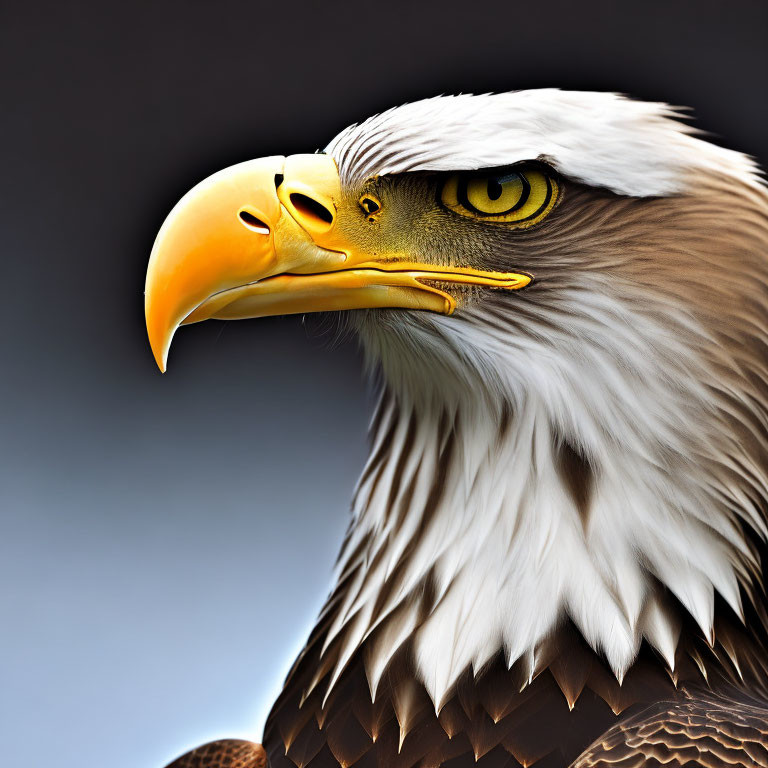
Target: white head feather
601,139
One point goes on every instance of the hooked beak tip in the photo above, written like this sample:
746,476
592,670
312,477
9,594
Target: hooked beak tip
160,343
161,359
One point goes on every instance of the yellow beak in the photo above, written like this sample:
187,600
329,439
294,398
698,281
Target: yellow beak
263,238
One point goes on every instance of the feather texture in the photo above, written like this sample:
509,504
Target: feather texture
701,729
600,139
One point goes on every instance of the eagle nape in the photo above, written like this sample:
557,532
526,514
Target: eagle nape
557,553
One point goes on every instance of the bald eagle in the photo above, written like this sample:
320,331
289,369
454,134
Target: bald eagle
557,552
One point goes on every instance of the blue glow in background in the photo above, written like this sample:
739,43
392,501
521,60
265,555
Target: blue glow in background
165,542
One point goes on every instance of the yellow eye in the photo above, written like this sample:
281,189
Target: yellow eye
522,196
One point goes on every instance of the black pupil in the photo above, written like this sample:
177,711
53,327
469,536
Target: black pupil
370,206
494,189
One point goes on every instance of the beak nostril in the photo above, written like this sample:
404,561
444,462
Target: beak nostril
311,208
254,223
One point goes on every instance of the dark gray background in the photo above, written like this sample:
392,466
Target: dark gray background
166,541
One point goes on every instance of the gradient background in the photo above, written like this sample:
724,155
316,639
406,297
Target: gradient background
167,540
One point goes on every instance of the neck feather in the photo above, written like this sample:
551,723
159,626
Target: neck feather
480,523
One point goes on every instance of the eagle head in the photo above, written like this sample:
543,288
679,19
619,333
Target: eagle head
564,295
